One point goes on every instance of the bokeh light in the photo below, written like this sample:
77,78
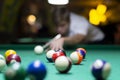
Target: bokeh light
101,9
58,2
31,19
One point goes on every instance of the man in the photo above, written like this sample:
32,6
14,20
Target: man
74,29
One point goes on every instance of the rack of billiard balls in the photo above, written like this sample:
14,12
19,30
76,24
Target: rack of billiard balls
100,69
36,70
9,57
63,63
15,71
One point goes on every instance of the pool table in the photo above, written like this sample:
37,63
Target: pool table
110,53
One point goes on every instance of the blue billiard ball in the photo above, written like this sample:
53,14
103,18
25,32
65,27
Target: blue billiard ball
100,69
36,70
82,53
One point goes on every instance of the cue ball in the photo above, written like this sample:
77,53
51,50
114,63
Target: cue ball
36,70
76,57
100,69
63,64
38,49
49,55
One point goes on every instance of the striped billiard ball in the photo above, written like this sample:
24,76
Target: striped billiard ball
76,57
13,58
82,51
100,69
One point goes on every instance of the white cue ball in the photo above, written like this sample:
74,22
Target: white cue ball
38,49
63,64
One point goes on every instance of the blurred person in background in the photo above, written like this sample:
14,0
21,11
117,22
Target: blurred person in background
75,29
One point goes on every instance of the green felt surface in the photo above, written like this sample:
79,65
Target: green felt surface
77,72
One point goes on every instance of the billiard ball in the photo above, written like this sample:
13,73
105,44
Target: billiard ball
38,49
76,57
15,72
9,52
100,69
82,49
13,58
82,53
56,55
2,57
61,51
63,64
36,70
2,64
49,55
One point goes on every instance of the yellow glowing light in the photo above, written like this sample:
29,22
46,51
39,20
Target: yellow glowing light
103,18
93,17
101,9
31,19
92,12
94,20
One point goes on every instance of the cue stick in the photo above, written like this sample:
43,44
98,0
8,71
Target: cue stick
55,38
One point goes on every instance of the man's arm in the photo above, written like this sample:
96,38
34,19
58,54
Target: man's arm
59,43
78,38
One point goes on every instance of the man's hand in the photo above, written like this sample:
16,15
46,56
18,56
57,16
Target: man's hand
57,44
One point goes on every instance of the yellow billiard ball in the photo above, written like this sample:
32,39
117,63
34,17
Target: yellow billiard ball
9,52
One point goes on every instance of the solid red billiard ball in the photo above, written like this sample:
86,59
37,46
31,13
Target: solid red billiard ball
61,51
56,55
13,58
